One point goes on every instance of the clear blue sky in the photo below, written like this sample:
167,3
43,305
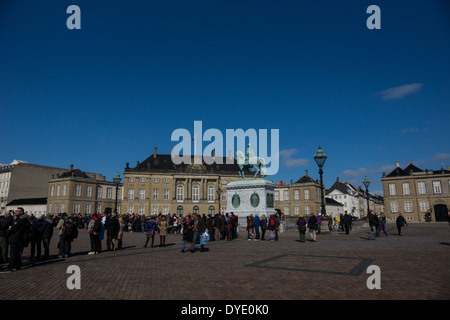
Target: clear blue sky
137,70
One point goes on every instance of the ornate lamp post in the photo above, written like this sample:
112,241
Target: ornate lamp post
219,195
320,158
366,183
116,180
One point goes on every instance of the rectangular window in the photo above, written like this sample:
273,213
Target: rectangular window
210,193
166,210
307,210
408,207
142,194
131,194
58,190
287,211
155,180
277,195
155,194
166,180
421,187
65,189
142,180
155,210
63,207
286,195
166,194
50,207
99,192
392,190
130,209
88,191
424,206
141,210
306,194
296,194
394,207
56,208
131,179
195,193
87,208
437,187
405,188
99,208
76,208
77,191
108,193
297,210
52,191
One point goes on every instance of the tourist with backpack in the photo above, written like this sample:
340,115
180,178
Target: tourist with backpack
301,224
94,228
68,231
272,227
313,227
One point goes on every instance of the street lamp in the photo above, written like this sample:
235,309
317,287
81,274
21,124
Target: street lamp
320,158
116,180
219,195
366,183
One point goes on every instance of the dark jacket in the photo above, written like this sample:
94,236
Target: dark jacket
347,220
401,221
112,227
46,228
301,223
312,223
19,228
5,223
373,220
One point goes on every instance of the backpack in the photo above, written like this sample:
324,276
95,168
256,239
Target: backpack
69,230
272,222
27,234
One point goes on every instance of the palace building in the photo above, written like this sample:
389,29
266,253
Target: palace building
157,185
412,191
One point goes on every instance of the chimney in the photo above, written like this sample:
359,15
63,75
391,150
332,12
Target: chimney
306,172
337,179
292,181
71,166
213,153
410,161
398,164
154,152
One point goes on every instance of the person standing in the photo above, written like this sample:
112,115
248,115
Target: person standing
15,234
163,225
373,224
381,225
5,222
151,227
312,227
94,228
301,224
198,228
46,231
250,221
112,232
120,234
263,224
347,221
256,223
401,222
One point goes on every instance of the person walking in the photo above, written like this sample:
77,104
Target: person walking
382,225
301,224
151,227
373,224
187,232
198,228
263,224
163,225
400,222
312,227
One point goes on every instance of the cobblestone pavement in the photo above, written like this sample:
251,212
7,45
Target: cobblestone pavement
412,266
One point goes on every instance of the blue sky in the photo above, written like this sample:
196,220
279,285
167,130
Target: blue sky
137,70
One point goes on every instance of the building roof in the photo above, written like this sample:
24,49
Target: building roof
411,170
27,201
164,163
332,202
306,179
340,186
77,173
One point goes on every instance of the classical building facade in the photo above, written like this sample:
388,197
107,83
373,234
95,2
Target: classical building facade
157,185
300,197
76,191
412,191
354,199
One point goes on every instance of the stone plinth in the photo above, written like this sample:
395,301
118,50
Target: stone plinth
252,196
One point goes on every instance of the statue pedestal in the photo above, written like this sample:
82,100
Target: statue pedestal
252,196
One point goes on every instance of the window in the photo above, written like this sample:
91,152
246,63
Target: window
131,179
392,190
142,180
306,194
142,194
58,190
394,207
286,211
408,207
166,180
166,194
50,207
56,208
210,193
130,209
286,195
99,208
108,193
166,210
424,206
99,193
195,209
63,207
76,208
277,195
180,192
155,194
88,191
195,192
296,194
155,180
211,211
52,191
87,208
130,193
307,210
422,188
405,188
141,210
437,187
179,210
77,191
297,210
